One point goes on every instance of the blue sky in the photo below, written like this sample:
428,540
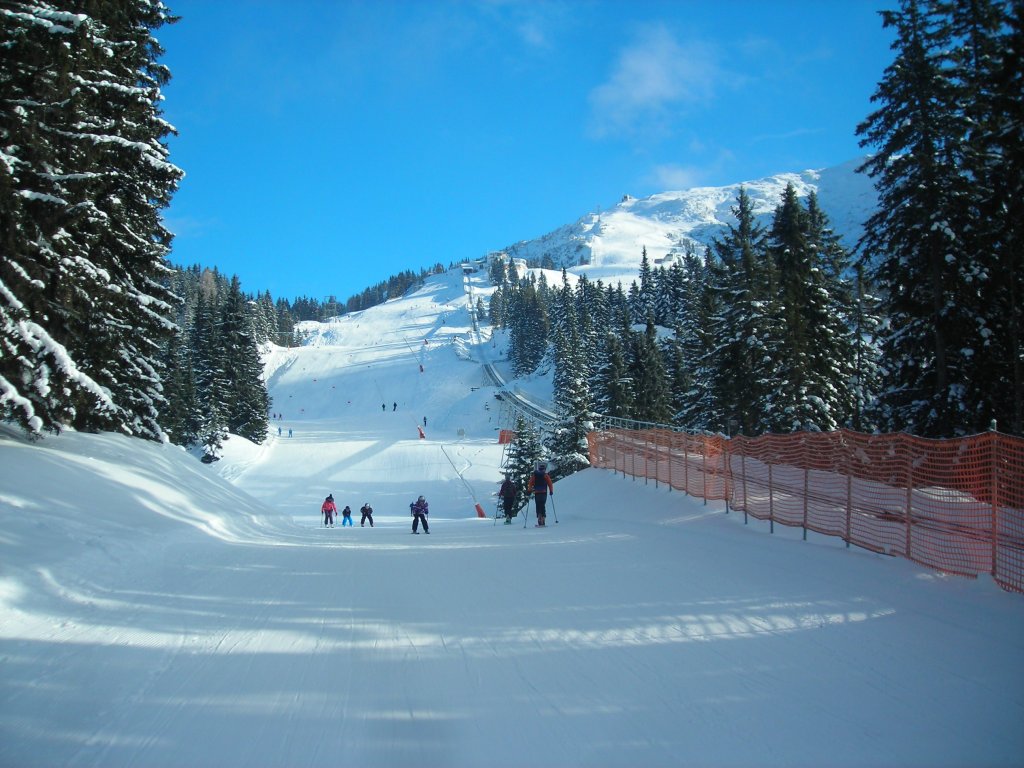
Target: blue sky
329,144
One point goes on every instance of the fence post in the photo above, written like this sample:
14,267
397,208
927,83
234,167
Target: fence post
726,473
849,507
743,477
648,442
910,496
668,455
995,498
807,473
686,464
704,467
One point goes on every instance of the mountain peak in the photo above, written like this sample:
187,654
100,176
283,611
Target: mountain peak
608,244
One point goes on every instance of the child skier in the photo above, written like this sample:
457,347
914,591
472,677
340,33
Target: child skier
367,511
329,509
419,511
346,516
507,492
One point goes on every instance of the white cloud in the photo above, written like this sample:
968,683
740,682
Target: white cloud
707,170
675,177
655,81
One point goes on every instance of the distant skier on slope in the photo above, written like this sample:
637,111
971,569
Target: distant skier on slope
329,510
539,485
419,511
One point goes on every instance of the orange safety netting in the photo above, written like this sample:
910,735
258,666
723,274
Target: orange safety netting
954,505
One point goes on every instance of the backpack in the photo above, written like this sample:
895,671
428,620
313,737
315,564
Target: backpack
540,483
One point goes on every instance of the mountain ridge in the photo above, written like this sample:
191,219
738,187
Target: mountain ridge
608,244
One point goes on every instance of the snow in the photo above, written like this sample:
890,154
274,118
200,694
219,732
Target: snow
607,245
157,611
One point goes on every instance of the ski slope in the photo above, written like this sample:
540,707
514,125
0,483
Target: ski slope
155,611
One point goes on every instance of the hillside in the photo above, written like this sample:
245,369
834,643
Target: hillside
156,611
608,244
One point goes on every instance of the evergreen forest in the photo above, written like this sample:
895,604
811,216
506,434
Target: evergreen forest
770,329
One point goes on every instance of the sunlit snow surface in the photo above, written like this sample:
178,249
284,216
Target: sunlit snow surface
157,611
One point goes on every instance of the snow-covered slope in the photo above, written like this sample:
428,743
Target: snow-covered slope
607,245
155,611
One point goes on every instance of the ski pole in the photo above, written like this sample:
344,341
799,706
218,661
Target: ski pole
553,510
526,512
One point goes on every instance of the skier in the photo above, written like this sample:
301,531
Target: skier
346,516
328,509
419,511
539,485
507,492
367,511
394,407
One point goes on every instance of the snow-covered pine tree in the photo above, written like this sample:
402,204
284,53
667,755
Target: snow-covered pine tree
613,382
496,307
651,395
693,393
180,415
528,327
642,301
741,284
914,242
83,177
1004,141
592,318
523,455
210,373
567,443
864,382
670,300
839,360
246,400
987,65
264,319
813,356
285,323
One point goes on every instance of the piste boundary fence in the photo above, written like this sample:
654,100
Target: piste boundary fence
954,505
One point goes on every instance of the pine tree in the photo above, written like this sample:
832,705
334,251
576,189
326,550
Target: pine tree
643,299
524,453
694,391
180,415
568,443
987,64
496,308
613,382
813,352
913,243
528,327
210,374
246,403
741,284
651,397
864,382
84,310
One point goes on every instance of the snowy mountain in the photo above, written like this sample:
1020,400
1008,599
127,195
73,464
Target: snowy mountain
608,244
156,611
